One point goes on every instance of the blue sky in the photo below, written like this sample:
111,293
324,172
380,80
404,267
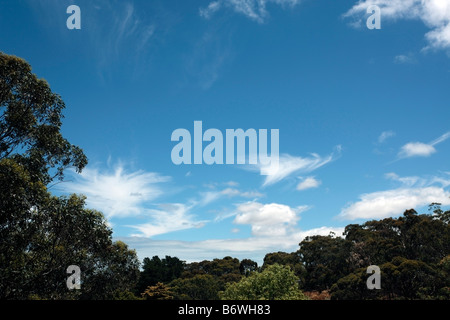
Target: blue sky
362,114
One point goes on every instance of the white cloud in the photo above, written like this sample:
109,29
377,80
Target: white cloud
253,9
172,217
412,193
117,193
420,149
212,8
210,196
385,135
382,204
434,13
268,219
288,165
169,218
405,59
416,149
405,181
308,183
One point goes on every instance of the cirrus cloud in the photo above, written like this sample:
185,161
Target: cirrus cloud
117,193
255,10
434,13
288,165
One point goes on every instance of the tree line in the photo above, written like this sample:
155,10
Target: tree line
42,234
412,251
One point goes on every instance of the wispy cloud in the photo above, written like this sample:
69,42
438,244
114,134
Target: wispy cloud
414,192
434,13
255,10
288,165
420,149
385,135
117,193
209,56
112,31
209,196
126,36
405,59
168,218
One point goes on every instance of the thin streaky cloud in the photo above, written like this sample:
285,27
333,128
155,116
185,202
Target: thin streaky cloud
255,10
288,165
168,218
442,138
385,135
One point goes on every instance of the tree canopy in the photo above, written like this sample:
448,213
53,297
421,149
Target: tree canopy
41,234
275,282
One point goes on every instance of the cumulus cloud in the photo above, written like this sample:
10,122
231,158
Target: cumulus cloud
416,149
420,149
382,204
255,10
268,219
434,13
308,183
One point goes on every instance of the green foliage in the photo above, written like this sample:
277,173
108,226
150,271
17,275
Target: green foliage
157,292
275,282
351,287
159,270
247,266
325,261
198,287
30,123
40,234
286,259
124,295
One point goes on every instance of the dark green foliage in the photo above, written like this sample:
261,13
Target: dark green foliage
156,270
291,260
247,266
325,261
198,287
40,234
30,123
275,282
